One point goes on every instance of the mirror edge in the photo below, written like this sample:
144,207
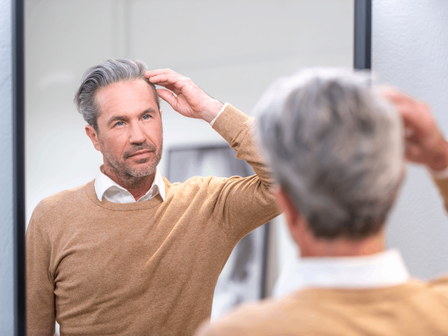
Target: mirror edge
362,60
18,74
363,34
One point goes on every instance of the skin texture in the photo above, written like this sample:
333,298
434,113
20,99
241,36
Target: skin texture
130,134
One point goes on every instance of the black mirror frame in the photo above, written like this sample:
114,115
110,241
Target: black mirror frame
363,34
362,60
18,80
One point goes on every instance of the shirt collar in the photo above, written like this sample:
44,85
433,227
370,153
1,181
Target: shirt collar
107,188
382,269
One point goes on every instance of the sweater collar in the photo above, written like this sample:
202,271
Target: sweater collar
134,206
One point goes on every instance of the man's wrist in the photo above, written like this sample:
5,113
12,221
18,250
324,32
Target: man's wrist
439,162
439,174
219,113
212,111
439,158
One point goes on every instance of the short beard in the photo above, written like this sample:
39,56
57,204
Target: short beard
142,172
127,173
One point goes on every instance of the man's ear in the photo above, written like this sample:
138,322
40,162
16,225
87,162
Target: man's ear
91,133
286,205
296,223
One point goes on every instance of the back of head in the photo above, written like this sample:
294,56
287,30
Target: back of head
102,75
335,147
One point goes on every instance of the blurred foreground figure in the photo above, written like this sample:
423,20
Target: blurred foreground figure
336,150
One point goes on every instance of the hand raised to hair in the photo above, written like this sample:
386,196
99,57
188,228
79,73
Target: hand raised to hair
183,95
423,140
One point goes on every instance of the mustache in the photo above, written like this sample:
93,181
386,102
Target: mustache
136,148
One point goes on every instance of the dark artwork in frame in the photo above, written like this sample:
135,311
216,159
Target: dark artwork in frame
243,277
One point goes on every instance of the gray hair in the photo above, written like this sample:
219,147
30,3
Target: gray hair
335,147
104,74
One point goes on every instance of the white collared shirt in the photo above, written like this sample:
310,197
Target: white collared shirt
382,269
111,191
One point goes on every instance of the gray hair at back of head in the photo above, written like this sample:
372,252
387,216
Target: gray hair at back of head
335,147
102,75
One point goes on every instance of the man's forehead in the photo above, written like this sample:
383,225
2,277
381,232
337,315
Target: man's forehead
131,94
132,85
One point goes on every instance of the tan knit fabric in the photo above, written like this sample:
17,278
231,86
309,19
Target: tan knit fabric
411,309
415,308
146,268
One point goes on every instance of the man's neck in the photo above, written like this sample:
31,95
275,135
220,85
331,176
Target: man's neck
137,186
344,247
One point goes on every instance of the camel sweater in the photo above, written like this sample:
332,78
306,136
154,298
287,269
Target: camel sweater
414,308
145,268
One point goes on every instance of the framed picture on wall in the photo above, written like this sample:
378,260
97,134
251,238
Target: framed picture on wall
243,277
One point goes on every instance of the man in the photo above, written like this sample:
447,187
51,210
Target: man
130,253
336,151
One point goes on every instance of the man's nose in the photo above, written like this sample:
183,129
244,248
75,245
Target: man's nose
136,133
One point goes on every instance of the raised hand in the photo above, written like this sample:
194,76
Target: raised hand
183,95
423,140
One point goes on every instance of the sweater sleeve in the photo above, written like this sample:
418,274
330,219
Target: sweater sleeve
244,203
442,184
39,284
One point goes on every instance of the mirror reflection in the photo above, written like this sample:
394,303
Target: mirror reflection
233,51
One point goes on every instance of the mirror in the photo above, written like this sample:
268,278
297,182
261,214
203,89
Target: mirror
231,49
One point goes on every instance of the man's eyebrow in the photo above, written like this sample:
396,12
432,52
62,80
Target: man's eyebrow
119,117
149,110
115,118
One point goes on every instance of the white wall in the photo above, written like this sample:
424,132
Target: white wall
410,50
6,174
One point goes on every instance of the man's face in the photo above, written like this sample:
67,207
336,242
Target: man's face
129,129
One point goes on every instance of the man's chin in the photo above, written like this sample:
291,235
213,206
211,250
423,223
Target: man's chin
141,172
142,161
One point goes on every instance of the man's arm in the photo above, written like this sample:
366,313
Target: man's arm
245,203
424,143
40,303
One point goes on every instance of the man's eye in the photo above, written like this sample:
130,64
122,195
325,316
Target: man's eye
120,123
146,117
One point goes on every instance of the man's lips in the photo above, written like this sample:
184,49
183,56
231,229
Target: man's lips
140,153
